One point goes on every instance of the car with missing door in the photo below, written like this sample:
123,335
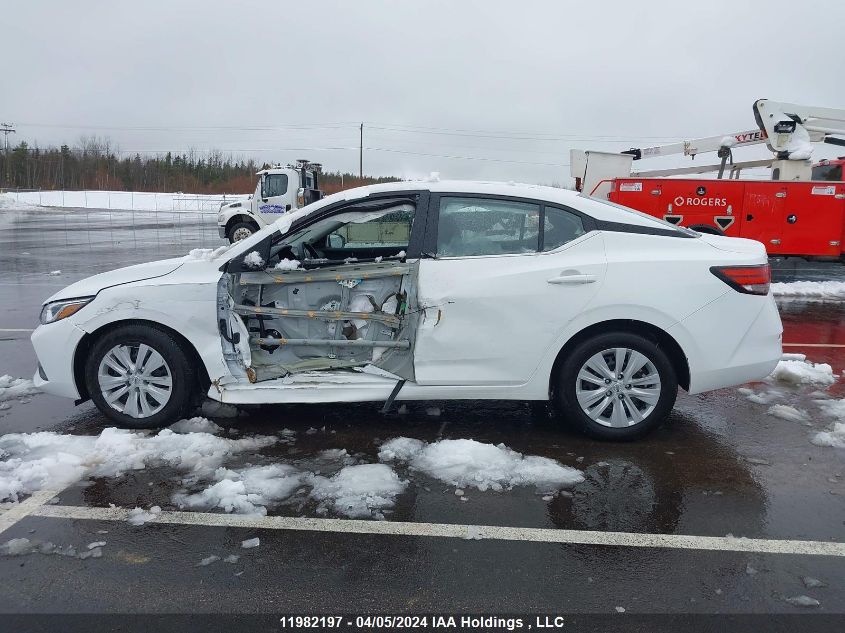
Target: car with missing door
425,291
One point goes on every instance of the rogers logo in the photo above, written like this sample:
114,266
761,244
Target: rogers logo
700,202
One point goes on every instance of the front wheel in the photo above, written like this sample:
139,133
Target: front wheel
241,230
140,377
616,386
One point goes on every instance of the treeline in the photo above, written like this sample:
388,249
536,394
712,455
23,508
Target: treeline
95,164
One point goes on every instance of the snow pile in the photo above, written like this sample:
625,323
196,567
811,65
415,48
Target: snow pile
288,264
11,388
818,290
205,254
785,412
803,372
195,425
365,490
835,437
833,408
254,260
120,200
246,491
35,461
466,463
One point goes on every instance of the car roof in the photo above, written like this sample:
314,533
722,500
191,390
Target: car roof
596,208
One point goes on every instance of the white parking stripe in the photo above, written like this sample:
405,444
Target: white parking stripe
396,528
25,508
15,329
812,345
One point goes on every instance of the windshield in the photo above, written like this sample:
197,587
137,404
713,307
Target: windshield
668,225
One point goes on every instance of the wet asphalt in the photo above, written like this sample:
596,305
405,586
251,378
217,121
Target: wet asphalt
720,466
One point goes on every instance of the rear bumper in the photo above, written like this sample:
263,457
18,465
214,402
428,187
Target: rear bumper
738,339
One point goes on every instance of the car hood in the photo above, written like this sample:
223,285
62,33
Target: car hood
92,285
734,244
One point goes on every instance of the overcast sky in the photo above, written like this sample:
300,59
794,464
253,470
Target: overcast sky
509,87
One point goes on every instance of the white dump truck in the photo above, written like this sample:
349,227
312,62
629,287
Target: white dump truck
279,190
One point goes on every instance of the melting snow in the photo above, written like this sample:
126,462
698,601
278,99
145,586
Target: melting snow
785,412
465,463
11,388
246,491
139,516
835,437
817,290
195,425
812,583
802,601
34,461
250,543
365,490
803,372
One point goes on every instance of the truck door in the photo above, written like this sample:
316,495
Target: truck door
276,195
812,218
761,215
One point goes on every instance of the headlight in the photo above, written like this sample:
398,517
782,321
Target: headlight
58,310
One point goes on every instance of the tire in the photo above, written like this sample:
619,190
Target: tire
619,410
237,231
707,229
147,380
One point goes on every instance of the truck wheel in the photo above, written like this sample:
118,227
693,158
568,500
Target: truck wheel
707,229
241,230
140,377
616,386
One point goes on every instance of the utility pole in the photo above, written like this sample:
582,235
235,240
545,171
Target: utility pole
7,129
361,154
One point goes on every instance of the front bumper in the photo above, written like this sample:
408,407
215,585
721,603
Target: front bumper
55,346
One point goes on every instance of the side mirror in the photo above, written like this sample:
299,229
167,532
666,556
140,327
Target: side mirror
336,241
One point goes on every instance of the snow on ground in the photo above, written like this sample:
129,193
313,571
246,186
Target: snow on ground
810,290
465,463
246,491
195,425
803,372
139,516
364,490
119,200
23,546
835,437
763,397
11,388
786,412
44,460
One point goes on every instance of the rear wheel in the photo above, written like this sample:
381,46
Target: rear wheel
241,230
616,386
140,377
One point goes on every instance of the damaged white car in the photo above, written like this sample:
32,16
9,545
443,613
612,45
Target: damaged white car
423,291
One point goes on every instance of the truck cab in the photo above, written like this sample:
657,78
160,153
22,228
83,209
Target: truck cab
279,190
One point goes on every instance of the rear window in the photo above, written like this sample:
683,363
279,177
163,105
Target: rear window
663,223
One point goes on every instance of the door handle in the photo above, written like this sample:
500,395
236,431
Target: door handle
572,280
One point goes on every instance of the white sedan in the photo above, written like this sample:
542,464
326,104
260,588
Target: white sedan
424,291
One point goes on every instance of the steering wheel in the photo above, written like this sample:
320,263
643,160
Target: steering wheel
308,251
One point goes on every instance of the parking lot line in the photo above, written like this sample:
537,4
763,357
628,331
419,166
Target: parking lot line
16,329
812,345
447,530
25,508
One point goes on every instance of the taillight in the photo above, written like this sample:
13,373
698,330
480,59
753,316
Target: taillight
753,280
